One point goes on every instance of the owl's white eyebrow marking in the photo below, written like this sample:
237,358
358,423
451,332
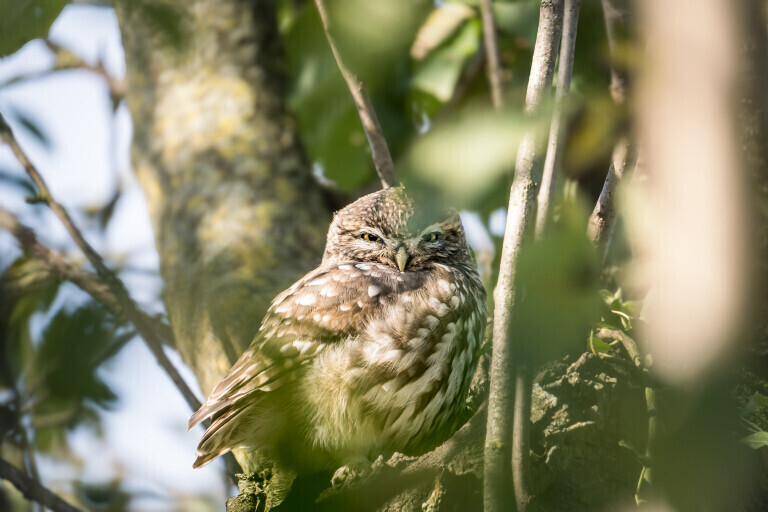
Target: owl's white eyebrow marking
373,290
307,299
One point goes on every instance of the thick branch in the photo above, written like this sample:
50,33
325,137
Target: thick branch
521,204
33,490
554,147
132,312
491,43
382,159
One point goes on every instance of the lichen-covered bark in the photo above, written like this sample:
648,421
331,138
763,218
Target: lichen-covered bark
237,217
582,407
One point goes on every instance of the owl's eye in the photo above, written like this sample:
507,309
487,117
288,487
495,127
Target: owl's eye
431,237
368,237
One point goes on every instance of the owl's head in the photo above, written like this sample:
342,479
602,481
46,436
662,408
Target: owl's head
384,227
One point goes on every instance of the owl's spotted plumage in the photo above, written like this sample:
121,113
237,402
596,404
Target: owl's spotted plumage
370,353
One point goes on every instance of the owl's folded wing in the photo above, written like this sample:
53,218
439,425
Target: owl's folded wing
327,305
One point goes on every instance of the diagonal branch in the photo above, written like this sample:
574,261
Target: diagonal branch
34,490
382,159
55,264
603,219
491,43
132,312
504,366
554,146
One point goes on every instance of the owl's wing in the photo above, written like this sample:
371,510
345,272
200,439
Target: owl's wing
327,305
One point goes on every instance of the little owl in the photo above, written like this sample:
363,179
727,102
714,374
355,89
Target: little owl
370,353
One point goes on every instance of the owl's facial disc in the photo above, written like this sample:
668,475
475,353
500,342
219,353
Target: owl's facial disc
399,250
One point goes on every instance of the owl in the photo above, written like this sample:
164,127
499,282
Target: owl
368,354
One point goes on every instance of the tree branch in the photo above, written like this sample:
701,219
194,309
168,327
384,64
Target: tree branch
382,159
603,218
554,148
66,60
602,221
132,312
521,204
491,44
56,265
34,490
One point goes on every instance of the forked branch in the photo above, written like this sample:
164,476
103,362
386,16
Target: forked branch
132,312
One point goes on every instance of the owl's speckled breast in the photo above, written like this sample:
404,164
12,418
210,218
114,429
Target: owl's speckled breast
397,385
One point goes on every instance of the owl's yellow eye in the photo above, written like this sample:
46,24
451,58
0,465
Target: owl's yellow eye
431,237
368,237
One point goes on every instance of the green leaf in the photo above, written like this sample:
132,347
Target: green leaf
24,20
31,125
600,345
465,157
757,400
757,440
518,19
440,71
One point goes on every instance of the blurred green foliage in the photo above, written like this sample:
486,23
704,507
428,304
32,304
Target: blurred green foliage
53,380
24,20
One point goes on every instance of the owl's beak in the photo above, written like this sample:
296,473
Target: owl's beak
401,257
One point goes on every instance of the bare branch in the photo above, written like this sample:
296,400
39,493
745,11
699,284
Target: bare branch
66,60
602,221
382,159
33,490
492,53
616,14
132,312
519,222
61,269
554,147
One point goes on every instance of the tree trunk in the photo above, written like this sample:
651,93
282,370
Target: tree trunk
236,214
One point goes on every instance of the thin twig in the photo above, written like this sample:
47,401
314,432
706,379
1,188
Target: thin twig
498,450
382,159
34,490
56,265
65,60
491,44
554,146
132,312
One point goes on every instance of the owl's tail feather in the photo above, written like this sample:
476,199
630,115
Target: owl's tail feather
243,424
222,436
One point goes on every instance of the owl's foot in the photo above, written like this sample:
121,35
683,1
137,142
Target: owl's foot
354,470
